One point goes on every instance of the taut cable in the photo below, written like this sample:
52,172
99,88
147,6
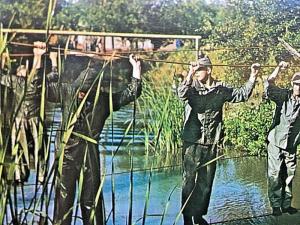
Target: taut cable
118,55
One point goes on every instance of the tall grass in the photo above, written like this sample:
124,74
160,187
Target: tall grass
163,118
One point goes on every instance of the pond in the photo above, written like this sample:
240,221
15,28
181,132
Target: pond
239,190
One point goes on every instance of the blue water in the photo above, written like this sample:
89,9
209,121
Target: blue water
232,197
239,190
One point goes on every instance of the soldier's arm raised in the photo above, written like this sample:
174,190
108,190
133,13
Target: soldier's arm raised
185,86
271,91
281,66
133,89
243,93
38,50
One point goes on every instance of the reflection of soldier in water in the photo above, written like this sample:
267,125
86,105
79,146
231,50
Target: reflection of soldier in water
80,155
27,141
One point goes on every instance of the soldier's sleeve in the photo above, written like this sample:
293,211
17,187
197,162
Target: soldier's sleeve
56,91
53,92
184,90
274,93
6,80
238,94
132,92
87,78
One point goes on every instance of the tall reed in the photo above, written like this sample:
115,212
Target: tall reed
162,118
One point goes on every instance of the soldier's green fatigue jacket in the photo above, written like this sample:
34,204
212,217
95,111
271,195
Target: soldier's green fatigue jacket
25,114
27,97
80,154
202,132
283,138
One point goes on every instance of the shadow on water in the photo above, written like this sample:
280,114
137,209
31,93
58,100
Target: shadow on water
239,191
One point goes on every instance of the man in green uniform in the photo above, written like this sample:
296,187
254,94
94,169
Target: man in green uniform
26,144
204,98
79,154
283,139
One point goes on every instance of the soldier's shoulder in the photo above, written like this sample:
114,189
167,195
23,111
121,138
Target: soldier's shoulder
220,84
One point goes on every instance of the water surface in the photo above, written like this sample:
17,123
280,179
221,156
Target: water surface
239,190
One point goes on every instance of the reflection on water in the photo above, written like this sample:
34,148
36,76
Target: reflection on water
240,191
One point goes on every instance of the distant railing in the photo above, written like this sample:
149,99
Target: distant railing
106,42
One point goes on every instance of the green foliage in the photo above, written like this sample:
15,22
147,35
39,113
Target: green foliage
113,16
178,17
150,16
28,13
248,24
246,128
169,17
73,16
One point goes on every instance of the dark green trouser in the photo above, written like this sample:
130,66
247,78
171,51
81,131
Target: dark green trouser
281,172
73,164
197,181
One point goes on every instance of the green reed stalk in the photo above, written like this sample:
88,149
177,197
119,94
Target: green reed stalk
147,197
51,7
167,206
3,200
113,195
131,165
80,184
98,196
163,118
